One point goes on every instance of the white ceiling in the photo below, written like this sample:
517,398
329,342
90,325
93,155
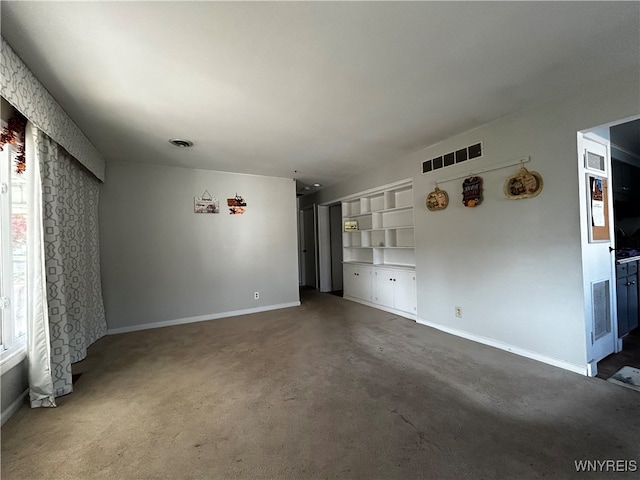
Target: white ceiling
327,89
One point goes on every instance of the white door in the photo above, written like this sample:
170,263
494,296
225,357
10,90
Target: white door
597,243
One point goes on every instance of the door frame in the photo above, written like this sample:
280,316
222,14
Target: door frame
600,135
327,250
598,263
324,249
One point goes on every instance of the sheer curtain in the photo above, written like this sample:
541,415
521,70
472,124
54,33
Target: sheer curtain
70,252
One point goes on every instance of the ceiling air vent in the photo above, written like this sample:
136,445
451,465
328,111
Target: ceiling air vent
181,143
453,158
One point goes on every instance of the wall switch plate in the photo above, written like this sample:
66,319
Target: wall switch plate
256,295
458,311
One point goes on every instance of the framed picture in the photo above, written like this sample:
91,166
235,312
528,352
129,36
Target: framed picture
237,205
350,225
206,205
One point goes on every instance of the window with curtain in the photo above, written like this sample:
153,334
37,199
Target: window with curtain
13,260
52,308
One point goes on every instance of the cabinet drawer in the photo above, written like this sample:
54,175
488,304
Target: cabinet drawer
621,270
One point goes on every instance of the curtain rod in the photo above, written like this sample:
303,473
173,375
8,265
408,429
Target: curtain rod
497,166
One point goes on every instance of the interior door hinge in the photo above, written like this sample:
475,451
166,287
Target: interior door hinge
4,188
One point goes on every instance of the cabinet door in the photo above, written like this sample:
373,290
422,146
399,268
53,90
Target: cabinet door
357,281
632,302
623,306
404,291
383,287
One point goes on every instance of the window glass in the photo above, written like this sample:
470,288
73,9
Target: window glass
13,253
19,251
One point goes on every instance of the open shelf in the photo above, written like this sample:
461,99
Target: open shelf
385,234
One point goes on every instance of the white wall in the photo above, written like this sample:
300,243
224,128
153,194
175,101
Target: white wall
162,263
513,266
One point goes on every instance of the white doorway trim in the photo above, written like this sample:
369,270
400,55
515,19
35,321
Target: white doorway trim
598,261
324,249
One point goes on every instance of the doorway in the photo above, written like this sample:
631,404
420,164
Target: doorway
330,248
320,247
610,161
625,167
308,247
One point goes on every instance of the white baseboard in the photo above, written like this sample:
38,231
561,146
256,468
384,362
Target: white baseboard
201,318
14,407
580,369
400,313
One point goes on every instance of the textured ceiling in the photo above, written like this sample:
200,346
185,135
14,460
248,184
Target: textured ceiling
327,89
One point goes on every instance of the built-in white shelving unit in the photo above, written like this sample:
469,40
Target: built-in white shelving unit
379,257
385,228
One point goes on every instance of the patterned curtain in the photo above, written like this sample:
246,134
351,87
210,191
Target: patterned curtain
20,87
72,261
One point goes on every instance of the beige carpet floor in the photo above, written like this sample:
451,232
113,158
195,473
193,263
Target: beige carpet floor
331,389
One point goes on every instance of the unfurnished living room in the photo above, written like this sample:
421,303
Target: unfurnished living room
309,240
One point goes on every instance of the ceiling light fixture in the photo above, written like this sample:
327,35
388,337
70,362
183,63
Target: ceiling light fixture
317,185
181,143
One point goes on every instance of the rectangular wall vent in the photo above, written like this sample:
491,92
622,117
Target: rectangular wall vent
594,161
601,317
453,158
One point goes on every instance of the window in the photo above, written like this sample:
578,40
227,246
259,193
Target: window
13,260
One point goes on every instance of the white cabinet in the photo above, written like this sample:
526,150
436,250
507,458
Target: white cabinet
395,289
379,255
357,282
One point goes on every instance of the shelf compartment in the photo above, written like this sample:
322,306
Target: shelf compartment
374,203
399,238
397,198
349,209
376,238
394,256
364,222
397,218
358,255
352,239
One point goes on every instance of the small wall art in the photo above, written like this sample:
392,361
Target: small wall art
472,191
351,225
206,204
236,205
437,200
524,184
598,211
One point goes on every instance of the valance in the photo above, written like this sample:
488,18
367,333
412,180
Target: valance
23,90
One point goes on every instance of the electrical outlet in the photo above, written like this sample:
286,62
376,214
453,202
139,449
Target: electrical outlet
256,295
458,311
